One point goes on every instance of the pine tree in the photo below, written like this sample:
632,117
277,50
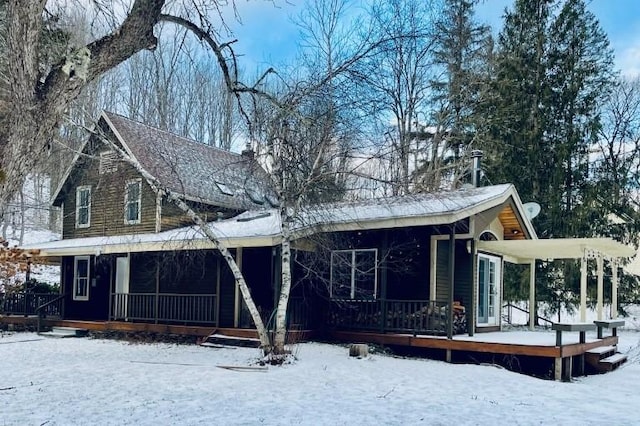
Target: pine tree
462,51
515,144
580,73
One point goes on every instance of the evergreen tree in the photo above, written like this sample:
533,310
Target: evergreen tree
516,146
462,50
580,74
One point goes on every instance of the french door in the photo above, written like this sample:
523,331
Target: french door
489,279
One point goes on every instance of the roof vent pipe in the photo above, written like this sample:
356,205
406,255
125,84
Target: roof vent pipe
476,155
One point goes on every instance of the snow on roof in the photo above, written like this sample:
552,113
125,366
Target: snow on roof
434,204
258,228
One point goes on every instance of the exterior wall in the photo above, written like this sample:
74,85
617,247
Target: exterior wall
97,305
107,199
463,277
403,260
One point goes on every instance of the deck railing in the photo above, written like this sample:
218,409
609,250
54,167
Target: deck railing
165,307
26,304
383,315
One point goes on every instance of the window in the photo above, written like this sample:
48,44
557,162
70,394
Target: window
354,274
81,278
132,202
83,206
224,188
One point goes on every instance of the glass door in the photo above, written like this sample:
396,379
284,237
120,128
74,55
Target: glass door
488,309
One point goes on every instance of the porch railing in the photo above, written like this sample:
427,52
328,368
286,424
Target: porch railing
27,304
398,316
165,307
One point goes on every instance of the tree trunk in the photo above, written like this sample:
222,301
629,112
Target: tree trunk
285,287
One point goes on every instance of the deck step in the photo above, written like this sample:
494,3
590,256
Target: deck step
63,332
601,350
612,362
218,340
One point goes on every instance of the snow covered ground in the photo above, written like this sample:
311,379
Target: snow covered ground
105,382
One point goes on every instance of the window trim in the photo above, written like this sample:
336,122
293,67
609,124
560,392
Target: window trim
85,297
138,220
79,189
353,275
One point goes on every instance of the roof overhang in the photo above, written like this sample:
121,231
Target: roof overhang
525,251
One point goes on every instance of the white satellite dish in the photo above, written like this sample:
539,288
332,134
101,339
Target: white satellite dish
531,209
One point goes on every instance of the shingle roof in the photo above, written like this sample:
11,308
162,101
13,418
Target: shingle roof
199,172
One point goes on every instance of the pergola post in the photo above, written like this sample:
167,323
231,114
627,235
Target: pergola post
600,286
614,289
532,294
583,288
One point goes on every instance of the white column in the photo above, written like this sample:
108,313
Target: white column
600,287
614,289
583,288
532,294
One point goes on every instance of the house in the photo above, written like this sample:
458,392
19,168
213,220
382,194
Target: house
102,196
426,264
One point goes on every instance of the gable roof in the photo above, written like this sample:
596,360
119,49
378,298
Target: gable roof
435,208
198,172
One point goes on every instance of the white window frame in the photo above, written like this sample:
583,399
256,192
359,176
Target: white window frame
127,202
78,206
76,278
354,252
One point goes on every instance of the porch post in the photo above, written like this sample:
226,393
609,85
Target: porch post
156,307
452,265
532,295
614,289
583,288
600,287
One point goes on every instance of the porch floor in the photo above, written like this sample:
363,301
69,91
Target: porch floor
530,343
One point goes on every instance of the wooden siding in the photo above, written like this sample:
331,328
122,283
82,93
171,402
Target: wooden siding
463,277
107,198
226,297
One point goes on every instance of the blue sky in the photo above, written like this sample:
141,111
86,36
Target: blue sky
267,36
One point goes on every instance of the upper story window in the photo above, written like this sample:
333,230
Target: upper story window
132,201
354,274
83,206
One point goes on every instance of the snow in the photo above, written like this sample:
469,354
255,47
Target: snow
32,236
90,381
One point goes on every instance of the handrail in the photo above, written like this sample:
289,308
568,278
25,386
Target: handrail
511,305
40,308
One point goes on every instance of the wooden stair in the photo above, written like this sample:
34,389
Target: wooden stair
604,359
65,332
217,340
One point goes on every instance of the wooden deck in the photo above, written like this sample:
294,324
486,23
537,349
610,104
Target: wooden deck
133,327
535,353
528,348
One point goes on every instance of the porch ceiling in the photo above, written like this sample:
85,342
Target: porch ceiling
524,251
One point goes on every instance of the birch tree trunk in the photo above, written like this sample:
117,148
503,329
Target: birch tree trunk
285,286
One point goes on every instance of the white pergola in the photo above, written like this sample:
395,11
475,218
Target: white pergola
528,251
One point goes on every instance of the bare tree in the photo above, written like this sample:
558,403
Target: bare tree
399,79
